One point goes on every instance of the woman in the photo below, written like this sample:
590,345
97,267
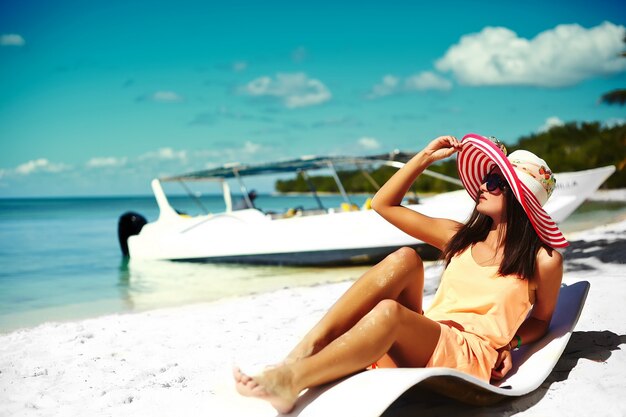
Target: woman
500,266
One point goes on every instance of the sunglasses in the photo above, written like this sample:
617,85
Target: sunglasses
493,181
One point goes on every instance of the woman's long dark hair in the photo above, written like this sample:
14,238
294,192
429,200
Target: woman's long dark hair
521,242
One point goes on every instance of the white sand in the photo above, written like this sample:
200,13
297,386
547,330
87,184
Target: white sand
178,361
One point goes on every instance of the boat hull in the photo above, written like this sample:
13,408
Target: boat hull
340,257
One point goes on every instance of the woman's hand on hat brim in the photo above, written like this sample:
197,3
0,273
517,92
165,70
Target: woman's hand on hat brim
442,147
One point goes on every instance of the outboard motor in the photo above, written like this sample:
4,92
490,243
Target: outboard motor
129,224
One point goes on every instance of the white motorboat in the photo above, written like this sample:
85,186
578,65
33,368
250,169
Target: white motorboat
321,236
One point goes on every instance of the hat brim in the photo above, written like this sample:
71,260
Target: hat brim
478,157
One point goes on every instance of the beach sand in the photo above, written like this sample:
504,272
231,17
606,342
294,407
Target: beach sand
178,361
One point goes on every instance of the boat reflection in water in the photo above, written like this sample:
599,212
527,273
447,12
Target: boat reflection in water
148,284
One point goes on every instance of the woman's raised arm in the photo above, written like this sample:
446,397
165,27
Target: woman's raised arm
387,201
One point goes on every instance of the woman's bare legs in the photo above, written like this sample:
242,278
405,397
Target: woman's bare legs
380,314
400,277
407,336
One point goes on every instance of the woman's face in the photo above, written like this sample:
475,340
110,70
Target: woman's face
493,203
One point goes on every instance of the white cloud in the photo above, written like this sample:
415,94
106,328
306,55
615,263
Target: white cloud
550,123
368,143
293,89
165,154
166,96
423,81
161,96
228,153
555,121
102,162
427,80
389,85
615,121
565,55
12,39
40,165
251,147
246,152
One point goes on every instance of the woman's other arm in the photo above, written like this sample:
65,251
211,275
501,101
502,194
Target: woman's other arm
387,201
547,282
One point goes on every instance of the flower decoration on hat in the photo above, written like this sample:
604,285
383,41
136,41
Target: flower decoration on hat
499,144
540,173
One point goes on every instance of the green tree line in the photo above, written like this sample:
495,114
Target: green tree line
570,147
355,182
576,146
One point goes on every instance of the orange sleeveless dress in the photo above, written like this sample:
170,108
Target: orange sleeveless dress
479,312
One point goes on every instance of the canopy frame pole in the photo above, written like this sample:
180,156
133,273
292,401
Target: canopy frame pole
244,190
447,178
308,181
228,199
194,197
368,177
443,177
342,190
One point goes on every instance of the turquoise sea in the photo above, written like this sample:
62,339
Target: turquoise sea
60,259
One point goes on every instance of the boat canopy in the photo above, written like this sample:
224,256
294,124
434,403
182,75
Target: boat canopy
305,163
301,165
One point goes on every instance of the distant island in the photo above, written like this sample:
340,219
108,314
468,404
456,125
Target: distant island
571,147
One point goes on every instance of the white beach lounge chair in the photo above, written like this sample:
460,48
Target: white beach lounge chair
370,393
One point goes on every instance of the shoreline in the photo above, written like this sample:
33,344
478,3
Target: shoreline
177,360
264,279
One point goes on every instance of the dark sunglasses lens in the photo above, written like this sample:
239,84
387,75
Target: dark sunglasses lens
492,182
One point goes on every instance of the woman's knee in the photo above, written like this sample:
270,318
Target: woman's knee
406,258
399,269
387,310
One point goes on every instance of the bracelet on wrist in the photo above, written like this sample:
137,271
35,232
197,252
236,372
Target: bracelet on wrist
519,342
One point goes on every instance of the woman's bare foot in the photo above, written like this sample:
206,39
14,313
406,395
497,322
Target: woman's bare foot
274,385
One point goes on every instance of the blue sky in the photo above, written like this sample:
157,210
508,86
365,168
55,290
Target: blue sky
97,98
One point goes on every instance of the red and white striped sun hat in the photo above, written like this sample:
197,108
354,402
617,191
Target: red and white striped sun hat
528,176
